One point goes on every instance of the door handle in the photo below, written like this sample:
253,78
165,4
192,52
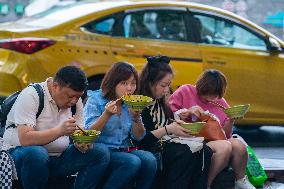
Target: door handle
216,61
130,48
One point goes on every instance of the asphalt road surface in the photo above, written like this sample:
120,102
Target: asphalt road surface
268,145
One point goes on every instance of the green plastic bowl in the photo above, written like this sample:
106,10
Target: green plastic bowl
137,102
238,111
79,137
195,128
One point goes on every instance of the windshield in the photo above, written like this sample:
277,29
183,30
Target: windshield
60,14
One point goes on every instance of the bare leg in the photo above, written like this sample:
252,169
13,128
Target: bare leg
239,158
221,155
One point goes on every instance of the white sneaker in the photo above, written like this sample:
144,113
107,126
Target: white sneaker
243,183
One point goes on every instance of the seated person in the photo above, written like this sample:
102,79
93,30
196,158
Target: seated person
39,145
119,125
182,167
138,27
209,91
171,27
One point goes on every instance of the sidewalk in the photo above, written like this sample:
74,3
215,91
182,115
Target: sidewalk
273,185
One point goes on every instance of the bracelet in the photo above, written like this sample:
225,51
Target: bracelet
166,129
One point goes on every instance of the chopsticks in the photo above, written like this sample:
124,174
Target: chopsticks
218,105
121,97
84,132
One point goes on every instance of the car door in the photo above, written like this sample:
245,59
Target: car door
242,54
153,31
95,40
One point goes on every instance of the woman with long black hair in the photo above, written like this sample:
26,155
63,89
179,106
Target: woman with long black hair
183,167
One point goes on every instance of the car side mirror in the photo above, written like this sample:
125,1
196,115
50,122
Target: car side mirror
274,44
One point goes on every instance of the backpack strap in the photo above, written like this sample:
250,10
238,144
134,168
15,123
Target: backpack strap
40,93
73,109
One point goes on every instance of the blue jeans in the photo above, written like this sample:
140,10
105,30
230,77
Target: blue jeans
34,165
125,167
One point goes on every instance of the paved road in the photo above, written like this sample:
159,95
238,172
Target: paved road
264,136
268,144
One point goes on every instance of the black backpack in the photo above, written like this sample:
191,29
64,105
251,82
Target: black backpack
10,100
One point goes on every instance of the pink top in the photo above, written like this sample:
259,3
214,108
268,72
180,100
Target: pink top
186,97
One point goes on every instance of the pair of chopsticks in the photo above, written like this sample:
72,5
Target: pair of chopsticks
84,132
218,105
118,99
121,97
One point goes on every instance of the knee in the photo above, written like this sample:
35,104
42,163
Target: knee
149,160
34,160
239,148
36,155
133,164
223,150
100,152
226,148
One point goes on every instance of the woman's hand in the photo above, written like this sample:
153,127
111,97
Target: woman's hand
194,110
184,115
111,108
175,128
135,114
138,128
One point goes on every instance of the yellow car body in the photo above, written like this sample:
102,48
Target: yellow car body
94,35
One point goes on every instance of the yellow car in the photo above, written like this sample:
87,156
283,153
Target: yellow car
93,35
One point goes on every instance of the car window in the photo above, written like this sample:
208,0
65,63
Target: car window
155,25
58,15
217,31
104,26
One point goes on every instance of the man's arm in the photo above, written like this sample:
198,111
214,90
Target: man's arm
28,136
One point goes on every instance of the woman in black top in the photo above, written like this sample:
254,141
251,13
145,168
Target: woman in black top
181,169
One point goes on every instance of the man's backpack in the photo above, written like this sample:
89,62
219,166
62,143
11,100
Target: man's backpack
9,102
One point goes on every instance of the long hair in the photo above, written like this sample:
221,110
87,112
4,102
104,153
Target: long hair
156,68
120,71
